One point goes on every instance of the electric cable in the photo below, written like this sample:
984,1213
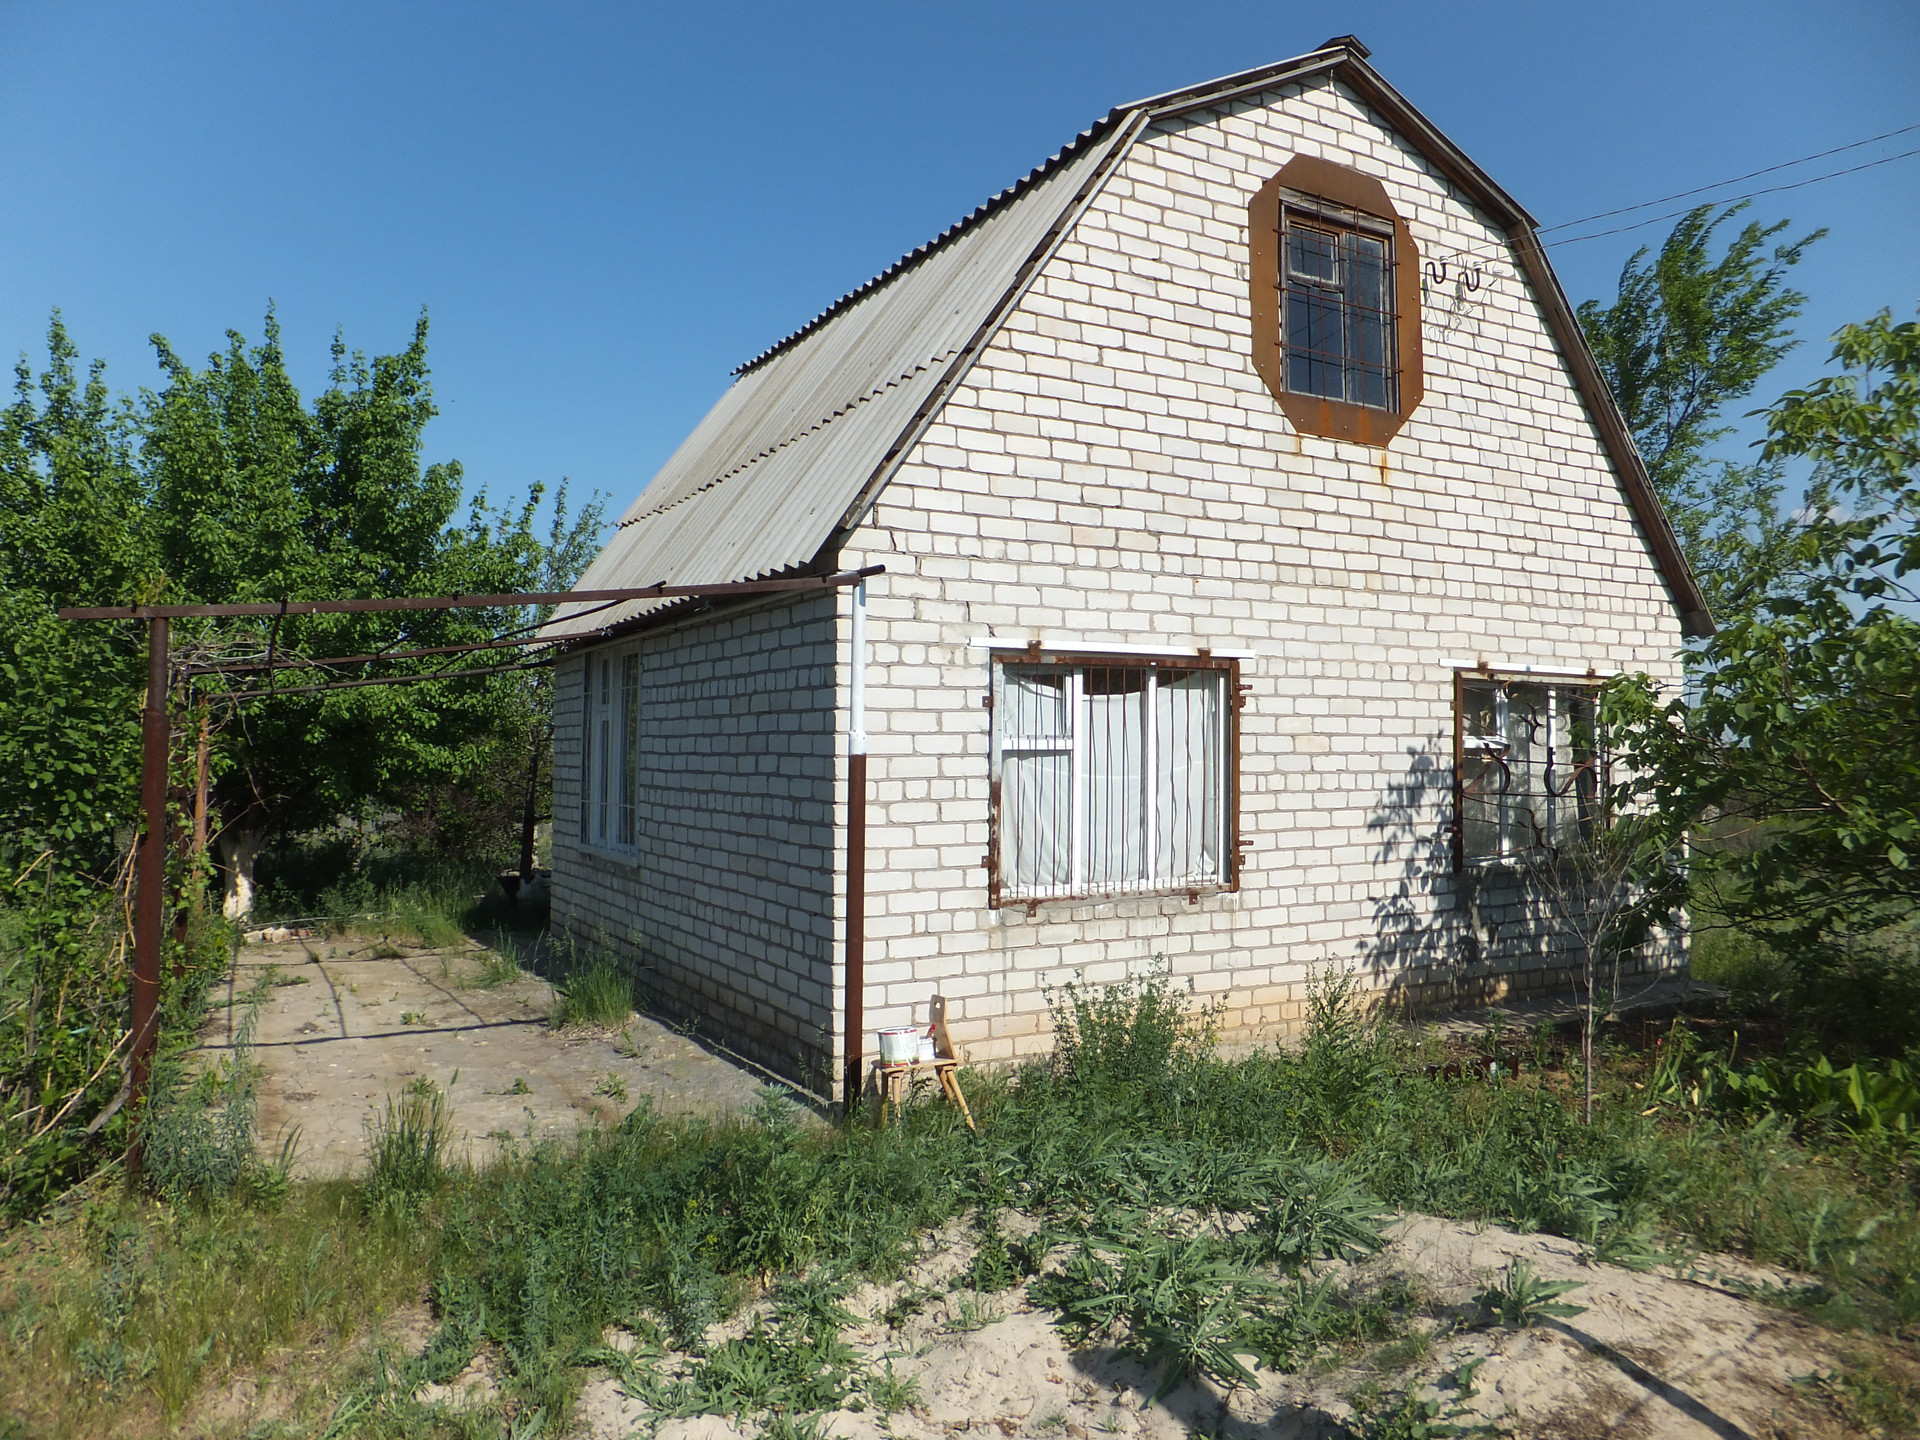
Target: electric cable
1735,180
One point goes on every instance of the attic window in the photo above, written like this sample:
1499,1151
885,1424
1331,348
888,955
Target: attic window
1336,302
1337,292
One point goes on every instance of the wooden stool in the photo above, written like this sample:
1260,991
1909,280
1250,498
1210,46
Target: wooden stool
891,1080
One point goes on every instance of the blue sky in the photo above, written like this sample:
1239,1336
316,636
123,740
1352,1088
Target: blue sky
606,207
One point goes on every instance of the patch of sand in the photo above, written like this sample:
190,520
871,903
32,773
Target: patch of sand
1660,1355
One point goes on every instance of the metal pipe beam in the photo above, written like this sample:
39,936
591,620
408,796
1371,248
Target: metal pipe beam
414,679
150,878
251,667
271,608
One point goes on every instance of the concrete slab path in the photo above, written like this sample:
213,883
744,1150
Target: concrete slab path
346,1023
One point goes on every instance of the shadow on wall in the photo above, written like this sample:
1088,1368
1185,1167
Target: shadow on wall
1445,940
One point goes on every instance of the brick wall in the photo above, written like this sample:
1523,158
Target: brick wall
725,909
1114,471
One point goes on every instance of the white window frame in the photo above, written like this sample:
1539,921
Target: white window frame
1155,877
610,730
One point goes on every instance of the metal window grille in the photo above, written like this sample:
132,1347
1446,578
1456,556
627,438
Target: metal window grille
1527,777
1111,779
1337,283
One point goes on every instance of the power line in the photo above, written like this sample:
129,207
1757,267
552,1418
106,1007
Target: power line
1728,200
1735,180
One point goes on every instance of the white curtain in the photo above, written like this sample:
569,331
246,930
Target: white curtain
1191,775
1035,779
1114,794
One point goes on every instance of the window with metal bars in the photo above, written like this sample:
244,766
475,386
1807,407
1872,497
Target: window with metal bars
1338,320
1527,777
610,752
1111,778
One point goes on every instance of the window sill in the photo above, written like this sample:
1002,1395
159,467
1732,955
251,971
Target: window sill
1192,894
610,859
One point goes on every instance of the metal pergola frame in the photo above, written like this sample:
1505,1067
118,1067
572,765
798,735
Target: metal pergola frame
150,855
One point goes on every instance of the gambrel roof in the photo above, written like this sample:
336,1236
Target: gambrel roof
796,450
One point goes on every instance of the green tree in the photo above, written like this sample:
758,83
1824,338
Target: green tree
1686,335
72,501
1802,746
260,496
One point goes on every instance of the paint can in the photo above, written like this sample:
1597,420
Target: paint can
898,1046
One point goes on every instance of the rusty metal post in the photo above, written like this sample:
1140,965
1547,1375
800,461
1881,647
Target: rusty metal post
202,757
853,1042
150,876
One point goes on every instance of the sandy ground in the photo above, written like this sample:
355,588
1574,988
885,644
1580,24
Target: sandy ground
1665,1355
342,1029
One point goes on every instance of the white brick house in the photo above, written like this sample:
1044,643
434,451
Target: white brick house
1249,506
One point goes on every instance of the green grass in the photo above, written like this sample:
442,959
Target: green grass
598,992
1132,1147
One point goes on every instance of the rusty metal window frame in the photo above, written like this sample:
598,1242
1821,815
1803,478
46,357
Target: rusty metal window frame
1147,845
1526,769
1340,296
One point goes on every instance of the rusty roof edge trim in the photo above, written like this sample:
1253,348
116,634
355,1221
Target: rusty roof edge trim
773,587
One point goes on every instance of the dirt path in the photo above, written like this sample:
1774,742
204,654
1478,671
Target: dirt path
348,1023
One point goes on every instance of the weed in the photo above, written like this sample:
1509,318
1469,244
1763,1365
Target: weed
613,1087
1404,1352
197,1133
597,994
909,1302
407,1149
1521,1299
412,1017
1180,1303
1130,1036
1869,1395
892,1393
499,965
1430,1417
993,1267
969,1314
1308,1317
1320,1214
